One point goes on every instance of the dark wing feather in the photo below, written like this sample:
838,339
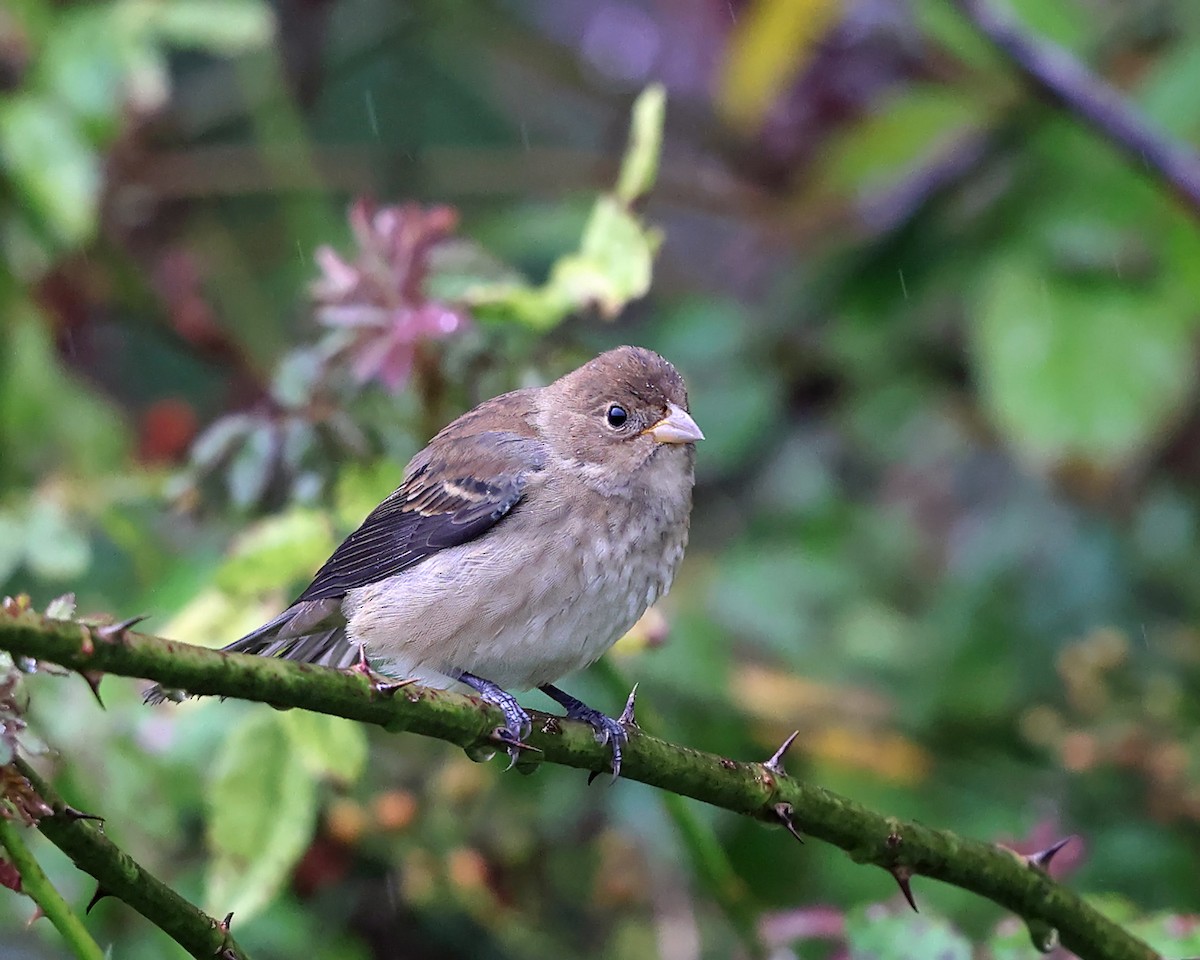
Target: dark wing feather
453,493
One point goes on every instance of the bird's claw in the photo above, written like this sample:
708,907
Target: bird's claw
613,733
608,732
517,727
517,724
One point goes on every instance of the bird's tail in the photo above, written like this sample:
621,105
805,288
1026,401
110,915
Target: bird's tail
308,632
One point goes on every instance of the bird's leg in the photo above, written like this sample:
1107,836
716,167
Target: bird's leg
607,729
516,721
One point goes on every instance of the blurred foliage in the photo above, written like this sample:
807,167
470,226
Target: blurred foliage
941,339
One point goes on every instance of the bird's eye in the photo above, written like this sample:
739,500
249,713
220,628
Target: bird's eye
616,416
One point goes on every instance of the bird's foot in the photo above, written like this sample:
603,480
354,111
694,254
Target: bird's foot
608,731
517,724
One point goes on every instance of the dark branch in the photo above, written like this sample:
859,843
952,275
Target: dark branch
1067,82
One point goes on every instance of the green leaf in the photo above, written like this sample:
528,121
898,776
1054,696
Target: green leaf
51,165
220,26
639,168
1062,23
276,551
537,307
329,746
614,263
940,22
262,805
898,136
83,66
872,934
1073,368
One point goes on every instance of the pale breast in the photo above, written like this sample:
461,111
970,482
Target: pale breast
546,592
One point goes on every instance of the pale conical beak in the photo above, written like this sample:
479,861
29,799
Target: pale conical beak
676,427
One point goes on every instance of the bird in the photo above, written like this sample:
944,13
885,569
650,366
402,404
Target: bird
524,540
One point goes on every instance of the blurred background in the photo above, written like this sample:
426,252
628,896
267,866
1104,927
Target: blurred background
941,338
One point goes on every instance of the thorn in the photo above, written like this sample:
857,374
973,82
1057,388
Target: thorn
37,915
901,875
628,717
1041,859
99,895
223,926
388,688
505,739
93,678
783,813
71,813
775,764
592,777
114,632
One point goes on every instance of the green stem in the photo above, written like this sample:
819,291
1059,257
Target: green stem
747,788
37,885
120,876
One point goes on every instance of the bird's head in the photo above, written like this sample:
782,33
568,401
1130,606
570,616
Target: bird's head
618,413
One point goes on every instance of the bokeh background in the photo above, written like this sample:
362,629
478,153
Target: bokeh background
942,340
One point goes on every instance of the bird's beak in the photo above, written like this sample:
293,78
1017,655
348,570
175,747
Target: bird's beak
676,427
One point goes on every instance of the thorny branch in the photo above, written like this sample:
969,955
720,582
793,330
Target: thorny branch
756,789
35,883
117,874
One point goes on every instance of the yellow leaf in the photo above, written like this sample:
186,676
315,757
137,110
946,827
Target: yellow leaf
888,755
773,41
783,698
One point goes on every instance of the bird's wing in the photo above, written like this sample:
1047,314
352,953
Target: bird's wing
453,493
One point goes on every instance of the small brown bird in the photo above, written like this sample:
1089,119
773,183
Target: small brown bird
525,539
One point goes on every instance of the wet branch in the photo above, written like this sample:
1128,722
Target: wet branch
756,789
